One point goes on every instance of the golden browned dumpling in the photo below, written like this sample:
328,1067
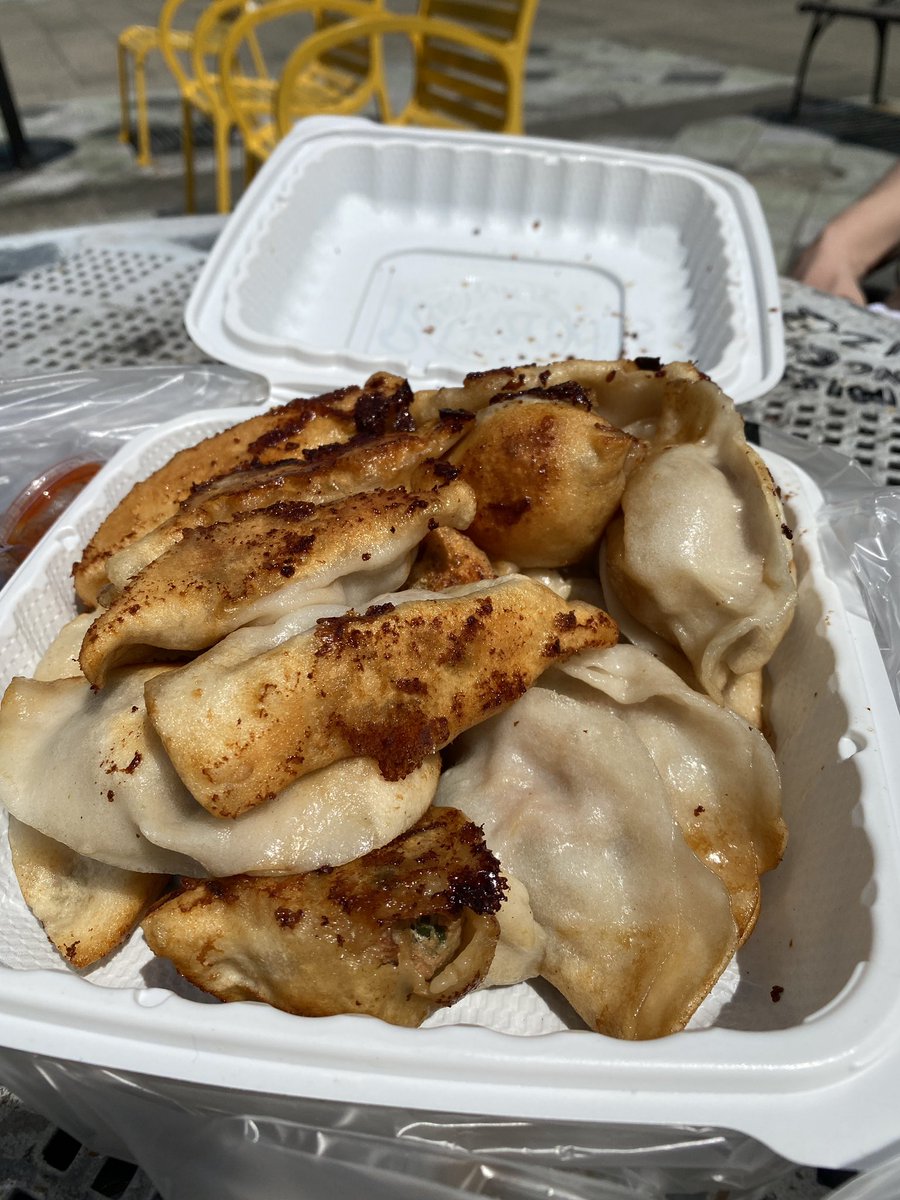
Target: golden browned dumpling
395,684
334,472
448,558
396,934
547,473
85,907
283,432
263,564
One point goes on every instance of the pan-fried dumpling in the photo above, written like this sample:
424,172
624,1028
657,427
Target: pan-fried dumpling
700,554
398,458
627,392
289,431
547,473
637,928
397,934
264,563
85,907
269,704
86,768
263,437
720,773
447,558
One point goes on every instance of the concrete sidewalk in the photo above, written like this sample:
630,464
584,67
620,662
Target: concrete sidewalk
638,76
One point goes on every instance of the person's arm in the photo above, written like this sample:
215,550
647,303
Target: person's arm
854,242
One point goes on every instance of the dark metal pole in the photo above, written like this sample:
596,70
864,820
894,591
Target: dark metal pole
21,154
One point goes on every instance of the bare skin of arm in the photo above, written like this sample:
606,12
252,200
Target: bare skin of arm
854,242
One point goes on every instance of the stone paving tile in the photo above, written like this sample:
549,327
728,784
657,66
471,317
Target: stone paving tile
832,197
724,141
857,167
18,22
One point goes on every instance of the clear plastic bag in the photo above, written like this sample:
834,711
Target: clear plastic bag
859,532
56,429
198,1143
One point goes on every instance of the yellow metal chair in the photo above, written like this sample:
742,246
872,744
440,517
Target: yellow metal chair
136,43
469,64
200,86
343,81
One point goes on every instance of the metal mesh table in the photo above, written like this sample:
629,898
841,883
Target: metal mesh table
115,295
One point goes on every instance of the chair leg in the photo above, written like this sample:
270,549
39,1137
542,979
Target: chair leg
223,166
820,22
187,147
143,115
124,97
881,33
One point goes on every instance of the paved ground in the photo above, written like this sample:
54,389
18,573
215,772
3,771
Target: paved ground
700,78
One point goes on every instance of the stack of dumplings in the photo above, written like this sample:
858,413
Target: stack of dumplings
381,697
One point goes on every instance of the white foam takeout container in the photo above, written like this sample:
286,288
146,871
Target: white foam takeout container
361,247
813,1075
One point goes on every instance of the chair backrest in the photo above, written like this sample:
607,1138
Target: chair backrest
212,32
178,65
465,84
208,25
354,58
464,77
342,81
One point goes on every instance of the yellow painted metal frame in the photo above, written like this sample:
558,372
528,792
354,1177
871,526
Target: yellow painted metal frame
325,86
469,108
136,43
202,93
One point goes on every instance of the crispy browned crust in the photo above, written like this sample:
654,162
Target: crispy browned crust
395,458
547,472
196,591
448,558
363,464
395,683
395,934
593,377
286,431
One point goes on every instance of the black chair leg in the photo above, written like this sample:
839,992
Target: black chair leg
881,30
19,150
820,22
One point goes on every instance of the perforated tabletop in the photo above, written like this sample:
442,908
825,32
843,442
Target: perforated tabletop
115,296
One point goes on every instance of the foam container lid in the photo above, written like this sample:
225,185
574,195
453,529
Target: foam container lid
431,253
802,1032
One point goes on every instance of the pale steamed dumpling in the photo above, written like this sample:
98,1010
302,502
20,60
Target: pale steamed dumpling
86,768
700,554
637,928
720,772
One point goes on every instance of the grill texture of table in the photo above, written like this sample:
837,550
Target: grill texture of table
115,297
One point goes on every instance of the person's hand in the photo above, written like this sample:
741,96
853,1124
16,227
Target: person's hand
826,265
854,242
